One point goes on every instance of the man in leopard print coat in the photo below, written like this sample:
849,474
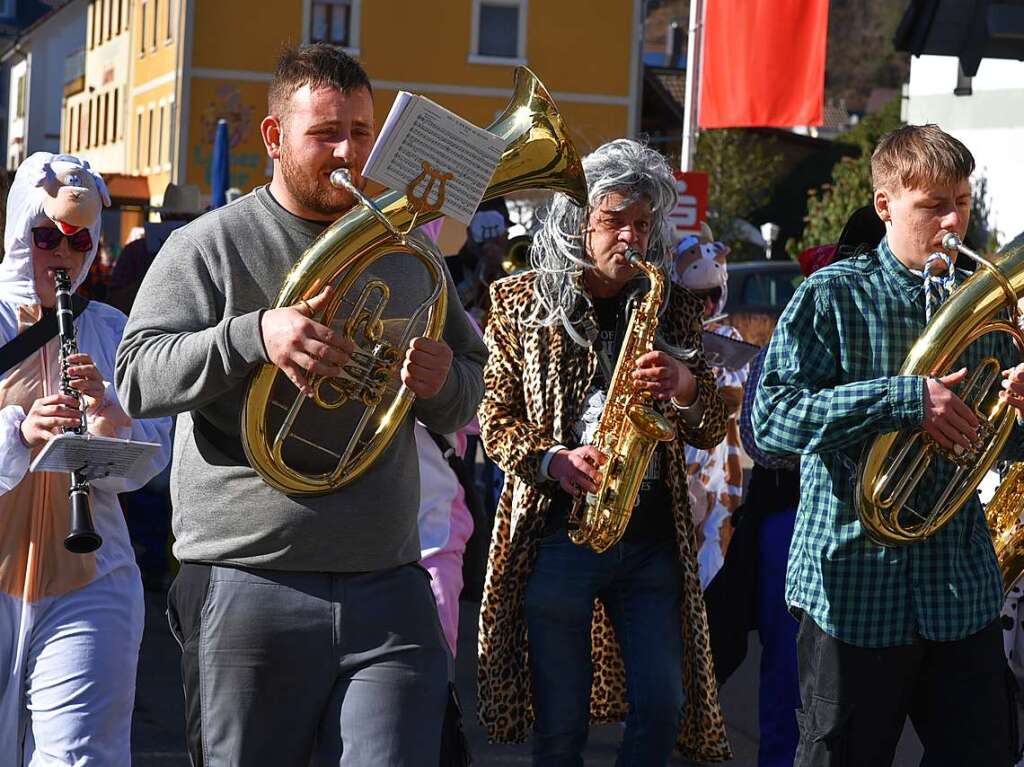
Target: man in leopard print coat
550,655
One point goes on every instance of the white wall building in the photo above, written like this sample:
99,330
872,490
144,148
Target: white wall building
986,112
37,76
94,110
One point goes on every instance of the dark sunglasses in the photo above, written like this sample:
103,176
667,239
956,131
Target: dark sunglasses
49,237
715,294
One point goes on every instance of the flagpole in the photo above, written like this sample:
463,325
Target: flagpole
694,55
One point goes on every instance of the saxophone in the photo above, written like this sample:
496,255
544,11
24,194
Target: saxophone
628,431
1003,515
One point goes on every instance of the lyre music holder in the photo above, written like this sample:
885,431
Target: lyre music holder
419,203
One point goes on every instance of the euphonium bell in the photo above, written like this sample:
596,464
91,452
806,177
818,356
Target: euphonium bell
311,446
894,463
517,254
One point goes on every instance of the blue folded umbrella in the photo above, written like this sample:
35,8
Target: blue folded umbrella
220,177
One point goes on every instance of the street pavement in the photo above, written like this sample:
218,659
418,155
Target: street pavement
159,708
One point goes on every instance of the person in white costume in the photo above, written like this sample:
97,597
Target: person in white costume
715,475
70,624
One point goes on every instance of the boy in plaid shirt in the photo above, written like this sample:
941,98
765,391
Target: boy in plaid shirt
912,630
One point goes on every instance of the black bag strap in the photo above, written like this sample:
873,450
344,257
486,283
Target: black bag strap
462,469
228,445
446,448
35,336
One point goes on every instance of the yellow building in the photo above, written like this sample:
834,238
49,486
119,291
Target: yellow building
193,63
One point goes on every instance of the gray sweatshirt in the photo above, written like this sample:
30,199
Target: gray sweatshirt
191,344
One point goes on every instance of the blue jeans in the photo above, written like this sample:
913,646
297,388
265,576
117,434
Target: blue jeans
640,587
780,683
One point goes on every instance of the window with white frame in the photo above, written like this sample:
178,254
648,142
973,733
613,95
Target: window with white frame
149,141
156,23
160,138
335,22
142,28
19,97
138,141
499,31
170,133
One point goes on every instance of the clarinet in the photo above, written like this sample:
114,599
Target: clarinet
83,537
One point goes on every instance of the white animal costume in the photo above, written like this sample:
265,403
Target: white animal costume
70,624
716,475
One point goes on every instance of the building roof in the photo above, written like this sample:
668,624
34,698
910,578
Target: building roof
835,115
8,50
670,83
969,29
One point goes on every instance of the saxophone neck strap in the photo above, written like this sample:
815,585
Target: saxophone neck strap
35,336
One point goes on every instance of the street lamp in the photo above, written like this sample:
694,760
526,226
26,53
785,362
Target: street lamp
770,233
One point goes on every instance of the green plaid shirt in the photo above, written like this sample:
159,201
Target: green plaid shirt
828,386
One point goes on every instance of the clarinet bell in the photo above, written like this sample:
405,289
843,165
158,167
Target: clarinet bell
83,537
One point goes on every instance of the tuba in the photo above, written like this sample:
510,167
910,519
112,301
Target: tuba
894,463
628,432
311,446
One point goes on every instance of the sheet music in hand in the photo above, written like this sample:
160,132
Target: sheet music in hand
453,156
95,456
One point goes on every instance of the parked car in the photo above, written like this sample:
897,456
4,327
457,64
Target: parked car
758,292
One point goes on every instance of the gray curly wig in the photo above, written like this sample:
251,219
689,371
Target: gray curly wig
558,254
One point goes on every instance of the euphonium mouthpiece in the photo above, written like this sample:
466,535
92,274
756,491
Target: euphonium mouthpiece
952,242
634,256
341,178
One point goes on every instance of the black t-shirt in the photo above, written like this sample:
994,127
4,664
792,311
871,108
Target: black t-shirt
652,515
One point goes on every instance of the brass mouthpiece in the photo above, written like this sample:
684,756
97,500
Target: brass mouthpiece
952,242
341,178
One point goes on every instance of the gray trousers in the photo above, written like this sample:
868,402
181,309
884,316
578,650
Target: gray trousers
289,669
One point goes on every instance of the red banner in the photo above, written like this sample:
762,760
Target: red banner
692,202
763,63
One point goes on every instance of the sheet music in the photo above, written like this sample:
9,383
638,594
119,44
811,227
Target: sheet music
95,456
724,352
418,130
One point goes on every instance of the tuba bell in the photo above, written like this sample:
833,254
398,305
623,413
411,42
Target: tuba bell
311,446
893,464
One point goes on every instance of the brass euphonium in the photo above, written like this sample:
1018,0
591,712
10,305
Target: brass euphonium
311,446
629,429
894,463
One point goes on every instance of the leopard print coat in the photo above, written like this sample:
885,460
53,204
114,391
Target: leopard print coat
535,381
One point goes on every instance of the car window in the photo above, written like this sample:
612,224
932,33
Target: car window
769,288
